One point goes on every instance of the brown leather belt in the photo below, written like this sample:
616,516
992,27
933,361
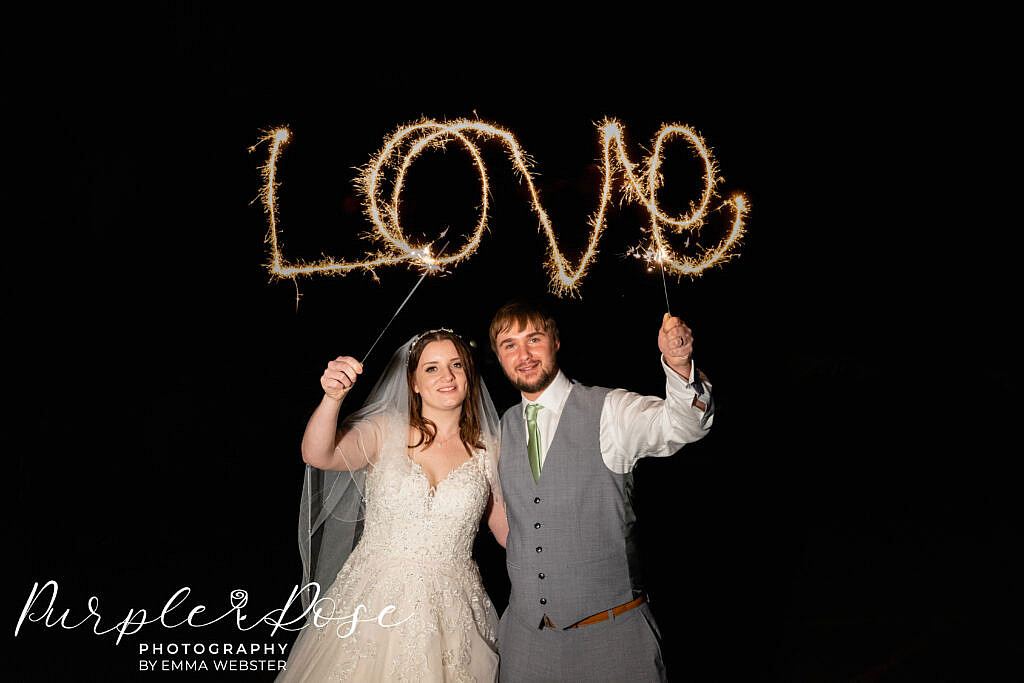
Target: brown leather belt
600,616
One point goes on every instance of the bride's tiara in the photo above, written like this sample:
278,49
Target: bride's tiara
429,332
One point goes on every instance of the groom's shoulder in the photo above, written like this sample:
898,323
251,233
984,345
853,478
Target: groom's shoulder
580,386
589,391
590,399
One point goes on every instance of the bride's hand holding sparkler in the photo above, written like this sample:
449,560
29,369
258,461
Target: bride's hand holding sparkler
340,376
321,438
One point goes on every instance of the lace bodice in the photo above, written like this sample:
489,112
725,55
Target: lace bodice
406,517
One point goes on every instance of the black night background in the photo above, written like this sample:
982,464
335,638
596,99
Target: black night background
848,518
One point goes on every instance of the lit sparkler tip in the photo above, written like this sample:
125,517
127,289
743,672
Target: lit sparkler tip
281,134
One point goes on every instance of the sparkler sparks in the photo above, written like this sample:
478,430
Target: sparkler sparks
639,184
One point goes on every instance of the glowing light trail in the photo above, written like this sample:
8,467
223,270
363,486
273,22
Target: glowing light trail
640,184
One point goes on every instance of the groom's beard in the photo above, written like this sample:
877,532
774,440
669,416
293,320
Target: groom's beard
539,385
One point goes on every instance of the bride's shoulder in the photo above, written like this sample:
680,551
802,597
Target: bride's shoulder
381,427
385,420
394,428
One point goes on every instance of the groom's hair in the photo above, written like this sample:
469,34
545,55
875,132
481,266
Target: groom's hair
520,314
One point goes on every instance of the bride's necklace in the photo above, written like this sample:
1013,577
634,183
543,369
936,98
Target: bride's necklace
439,443
443,441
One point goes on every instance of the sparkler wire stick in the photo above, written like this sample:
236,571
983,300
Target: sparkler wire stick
402,305
668,308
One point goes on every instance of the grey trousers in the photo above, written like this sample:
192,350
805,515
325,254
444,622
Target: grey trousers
626,648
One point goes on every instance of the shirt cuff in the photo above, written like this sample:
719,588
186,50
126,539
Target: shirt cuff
688,389
674,376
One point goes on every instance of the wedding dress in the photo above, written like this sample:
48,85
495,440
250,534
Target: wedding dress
425,615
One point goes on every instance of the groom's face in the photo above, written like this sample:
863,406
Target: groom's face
527,356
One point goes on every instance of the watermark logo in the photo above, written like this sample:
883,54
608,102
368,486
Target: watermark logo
41,607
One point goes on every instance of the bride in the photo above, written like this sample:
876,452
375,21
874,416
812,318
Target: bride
420,458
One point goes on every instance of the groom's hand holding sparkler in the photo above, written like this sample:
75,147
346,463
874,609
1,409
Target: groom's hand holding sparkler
675,339
340,376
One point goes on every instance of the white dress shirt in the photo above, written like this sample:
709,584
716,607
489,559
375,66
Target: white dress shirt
634,426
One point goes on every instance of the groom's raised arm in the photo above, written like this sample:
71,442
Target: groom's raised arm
635,426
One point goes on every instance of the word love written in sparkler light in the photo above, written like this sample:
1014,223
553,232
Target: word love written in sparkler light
640,184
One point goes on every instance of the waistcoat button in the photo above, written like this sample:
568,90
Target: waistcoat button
536,500
539,549
543,601
537,525
541,575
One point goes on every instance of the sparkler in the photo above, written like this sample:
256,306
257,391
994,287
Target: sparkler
664,284
640,184
430,269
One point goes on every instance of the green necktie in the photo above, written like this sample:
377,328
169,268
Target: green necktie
533,444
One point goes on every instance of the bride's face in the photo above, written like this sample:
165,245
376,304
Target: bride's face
440,378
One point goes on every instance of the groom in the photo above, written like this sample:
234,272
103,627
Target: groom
577,610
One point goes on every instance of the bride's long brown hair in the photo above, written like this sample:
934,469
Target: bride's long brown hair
469,421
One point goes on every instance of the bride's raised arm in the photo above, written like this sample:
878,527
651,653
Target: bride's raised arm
324,445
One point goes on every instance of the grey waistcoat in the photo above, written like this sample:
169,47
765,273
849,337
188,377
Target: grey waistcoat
571,545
